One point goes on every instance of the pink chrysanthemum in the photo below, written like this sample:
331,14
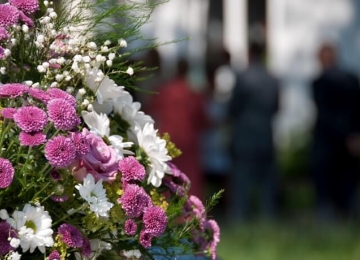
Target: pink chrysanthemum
131,169
6,173
213,227
8,112
134,200
13,89
32,139
58,93
86,248
155,221
130,227
27,6
60,151
54,255
9,15
82,146
59,199
70,235
62,114
26,20
6,232
39,94
4,35
145,239
30,119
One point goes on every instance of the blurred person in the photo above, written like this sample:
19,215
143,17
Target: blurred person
252,107
179,111
334,163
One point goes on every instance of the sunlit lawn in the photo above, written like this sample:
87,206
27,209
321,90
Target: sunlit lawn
290,242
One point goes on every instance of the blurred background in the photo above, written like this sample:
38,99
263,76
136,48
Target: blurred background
263,100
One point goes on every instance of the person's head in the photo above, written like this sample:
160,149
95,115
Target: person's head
256,51
327,56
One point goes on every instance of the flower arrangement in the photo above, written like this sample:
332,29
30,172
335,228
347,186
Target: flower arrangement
83,171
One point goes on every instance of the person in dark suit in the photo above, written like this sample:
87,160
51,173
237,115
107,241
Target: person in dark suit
254,103
336,94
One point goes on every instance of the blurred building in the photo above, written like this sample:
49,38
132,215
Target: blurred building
292,29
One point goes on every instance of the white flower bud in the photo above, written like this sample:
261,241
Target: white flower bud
111,56
90,108
60,60
122,43
28,83
67,78
41,69
3,214
70,90
109,63
36,85
59,77
3,70
46,3
53,15
46,65
85,102
54,85
7,52
15,242
86,59
107,42
77,58
92,45
25,28
104,49
130,71
40,38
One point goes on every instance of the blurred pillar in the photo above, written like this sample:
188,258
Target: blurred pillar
236,31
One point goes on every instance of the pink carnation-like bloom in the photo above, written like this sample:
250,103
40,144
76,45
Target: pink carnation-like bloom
54,255
197,207
58,93
213,227
39,94
32,139
82,145
27,6
101,161
179,175
62,114
70,235
145,239
8,112
155,220
6,232
131,169
13,89
30,119
4,35
60,151
6,173
86,248
9,15
26,20
134,200
130,227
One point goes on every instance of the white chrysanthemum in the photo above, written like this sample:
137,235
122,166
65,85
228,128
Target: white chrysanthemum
130,111
95,195
155,148
100,125
33,226
105,89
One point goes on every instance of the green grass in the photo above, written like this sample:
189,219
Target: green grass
259,241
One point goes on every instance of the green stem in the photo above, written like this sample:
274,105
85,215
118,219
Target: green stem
69,214
39,192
